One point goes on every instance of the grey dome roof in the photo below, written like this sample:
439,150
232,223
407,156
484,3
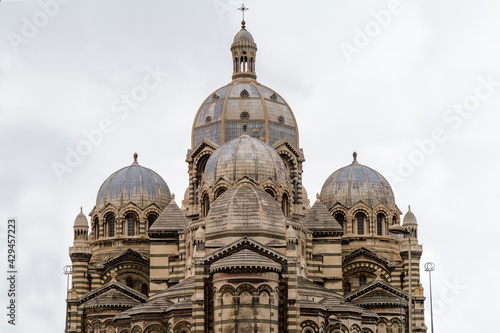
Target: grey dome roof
245,156
409,218
222,115
245,209
354,183
135,184
81,220
243,36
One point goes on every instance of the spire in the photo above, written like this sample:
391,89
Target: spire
243,51
243,10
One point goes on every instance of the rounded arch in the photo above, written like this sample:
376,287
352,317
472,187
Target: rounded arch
340,216
95,228
360,222
309,326
218,192
227,288
285,204
110,224
205,204
155,328
131,223
271,192
136,329
182,327
151,218
381,223
245,287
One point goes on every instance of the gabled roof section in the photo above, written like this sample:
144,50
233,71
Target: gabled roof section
377,292
125,256
286,143
362,251
246,243
318,218
112,294
171,219
245,258
202,145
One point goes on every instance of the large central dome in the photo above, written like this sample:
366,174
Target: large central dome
244,102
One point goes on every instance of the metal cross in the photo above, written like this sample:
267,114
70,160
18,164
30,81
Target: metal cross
243,10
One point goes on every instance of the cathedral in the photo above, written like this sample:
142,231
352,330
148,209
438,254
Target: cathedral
245,249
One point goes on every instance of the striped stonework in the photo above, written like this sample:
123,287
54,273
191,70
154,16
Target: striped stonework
199,297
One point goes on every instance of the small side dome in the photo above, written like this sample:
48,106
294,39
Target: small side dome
81,220
409,219
135,184
245,156
245,210
354,183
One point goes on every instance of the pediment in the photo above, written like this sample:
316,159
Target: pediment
202,146
364,253
127,255
378,292
251,249
287,145
112,294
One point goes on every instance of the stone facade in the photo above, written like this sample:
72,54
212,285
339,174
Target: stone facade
245,252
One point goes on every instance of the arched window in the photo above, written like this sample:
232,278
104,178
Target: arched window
347,288
219,192
129,282
89,280
271,193
144,289
200,175
205,205
380,222
110,221
360,218
96,228
151,219
362,280
340,218
130,224
285,206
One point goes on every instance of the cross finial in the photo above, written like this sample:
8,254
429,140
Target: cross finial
243,10
355,156
135,157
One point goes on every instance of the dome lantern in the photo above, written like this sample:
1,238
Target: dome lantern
244,51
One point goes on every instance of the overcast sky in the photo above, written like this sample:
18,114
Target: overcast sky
413,87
